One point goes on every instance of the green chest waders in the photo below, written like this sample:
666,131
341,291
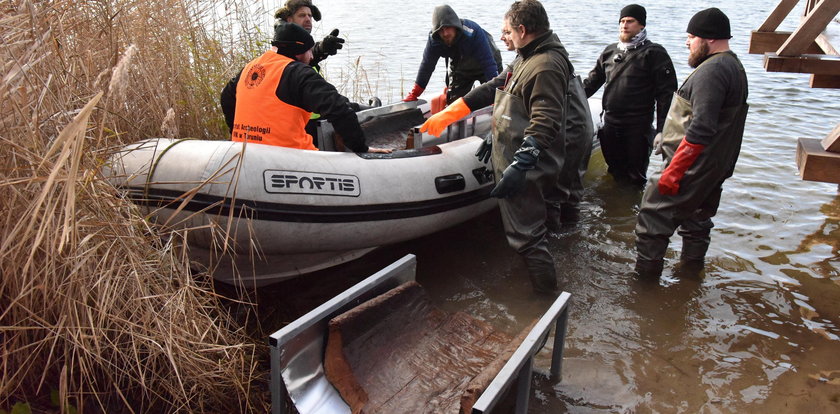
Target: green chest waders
524,214
697,202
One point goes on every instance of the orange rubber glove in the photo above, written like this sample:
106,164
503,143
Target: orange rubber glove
414,94
684,157
439,121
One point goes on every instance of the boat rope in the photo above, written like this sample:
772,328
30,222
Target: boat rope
155,164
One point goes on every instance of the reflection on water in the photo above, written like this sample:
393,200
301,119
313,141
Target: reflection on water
755,330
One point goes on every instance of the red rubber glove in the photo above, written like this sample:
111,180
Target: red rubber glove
439,121
414,94
684,157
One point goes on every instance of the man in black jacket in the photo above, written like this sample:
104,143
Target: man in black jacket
271,100
637,74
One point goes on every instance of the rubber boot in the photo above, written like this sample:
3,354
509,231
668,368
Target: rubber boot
553,218
649,268
542,273
694,251
569,214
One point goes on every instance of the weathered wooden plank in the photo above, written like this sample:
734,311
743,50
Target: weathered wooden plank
817,64
815,163
825,81
777,16
809,28
831,142
763,42
826,45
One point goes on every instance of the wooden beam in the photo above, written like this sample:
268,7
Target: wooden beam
825,44
831,142
825,81
815,163
763,42
777,16
810,27
817,64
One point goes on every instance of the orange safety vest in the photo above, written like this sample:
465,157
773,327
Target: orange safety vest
261,117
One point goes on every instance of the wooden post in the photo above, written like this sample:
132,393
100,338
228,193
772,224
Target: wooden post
831,142
810,27
777,16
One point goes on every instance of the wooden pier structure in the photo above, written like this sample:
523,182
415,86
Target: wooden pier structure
811,48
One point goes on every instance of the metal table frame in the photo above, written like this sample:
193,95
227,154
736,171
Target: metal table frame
297,350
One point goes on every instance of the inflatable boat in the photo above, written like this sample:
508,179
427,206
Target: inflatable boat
258,214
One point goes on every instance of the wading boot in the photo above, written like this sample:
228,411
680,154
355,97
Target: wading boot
569,214
693,257
649,268
694,251
542,274
553,218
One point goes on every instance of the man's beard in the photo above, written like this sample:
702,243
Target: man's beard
625,37
696,57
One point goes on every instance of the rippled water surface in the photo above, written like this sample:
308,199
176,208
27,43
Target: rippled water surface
756,331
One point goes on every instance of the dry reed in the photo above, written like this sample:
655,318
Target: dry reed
95,302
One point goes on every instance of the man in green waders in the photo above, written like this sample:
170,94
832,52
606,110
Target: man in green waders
528,142
701,141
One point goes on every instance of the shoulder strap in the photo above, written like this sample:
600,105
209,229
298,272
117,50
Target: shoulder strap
630,57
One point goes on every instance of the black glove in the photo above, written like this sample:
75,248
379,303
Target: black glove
513,177
485,149
331,43
327,47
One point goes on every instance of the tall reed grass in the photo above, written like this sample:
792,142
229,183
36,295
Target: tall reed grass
96,303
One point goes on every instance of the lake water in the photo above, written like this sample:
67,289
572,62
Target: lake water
756,331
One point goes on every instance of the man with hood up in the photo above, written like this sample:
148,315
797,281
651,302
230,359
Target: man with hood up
528,146
471,49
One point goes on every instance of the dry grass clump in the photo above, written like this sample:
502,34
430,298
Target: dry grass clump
96,303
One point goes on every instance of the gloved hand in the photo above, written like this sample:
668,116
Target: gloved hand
485,149
684,157
327,47
513,177
414,94
439,121
332,43
657,143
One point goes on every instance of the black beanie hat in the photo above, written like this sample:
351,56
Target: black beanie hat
710,24
635,11
292,6
291,40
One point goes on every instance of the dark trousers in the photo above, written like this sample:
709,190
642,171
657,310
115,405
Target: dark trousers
627,150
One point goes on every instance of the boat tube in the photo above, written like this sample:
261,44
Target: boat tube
258,214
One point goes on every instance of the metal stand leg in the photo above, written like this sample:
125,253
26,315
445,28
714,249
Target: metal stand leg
276,385
523,387
559,343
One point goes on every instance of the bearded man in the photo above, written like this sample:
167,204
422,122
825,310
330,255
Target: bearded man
701,141
637,76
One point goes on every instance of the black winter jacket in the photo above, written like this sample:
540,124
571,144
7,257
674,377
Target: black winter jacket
303,87
646,77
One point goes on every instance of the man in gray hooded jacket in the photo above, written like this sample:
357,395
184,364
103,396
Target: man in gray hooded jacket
474,55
